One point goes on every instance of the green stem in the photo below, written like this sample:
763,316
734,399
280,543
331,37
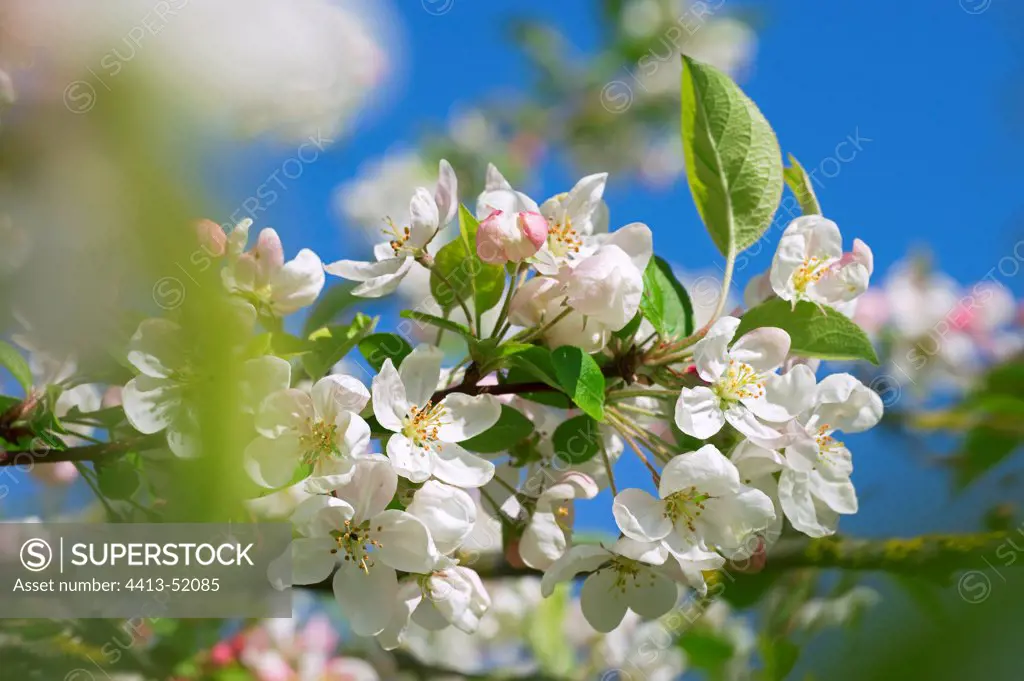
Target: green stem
503,313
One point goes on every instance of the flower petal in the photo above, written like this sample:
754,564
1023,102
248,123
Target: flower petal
271,463
364,597
456,466
467,416
405,542
651,594
698,412
379,278
798,504
710,354
448,512
640,516
413,463
424,218
336,394
408,599
297,284
764,349
543,542
150,404
390,404
705,469
284,411
156,348
420,372
603,604
370,488
305,561
579,558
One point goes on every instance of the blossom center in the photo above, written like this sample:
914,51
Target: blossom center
812,270
421,425
827,445
562,238
318,440
685,506
398,237
739,382
356,544
628,570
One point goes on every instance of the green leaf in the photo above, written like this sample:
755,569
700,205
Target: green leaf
331,303
14,362
779,657
800,184
459,273
538,364
546,634
511,427
118,479
813,332
665,303
581,379
378,347
439,322
577,440
330,343
706,649
286,345
733,161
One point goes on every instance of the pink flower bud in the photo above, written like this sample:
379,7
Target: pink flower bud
510,237
211,237
221,654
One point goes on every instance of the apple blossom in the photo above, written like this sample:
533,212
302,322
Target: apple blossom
510,237
263,277
320,428
701,501
629,576
355,531
741,382
809,264
541,300
428,214
426,434
154,400
572,217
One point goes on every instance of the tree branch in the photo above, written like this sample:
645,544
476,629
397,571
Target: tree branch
98,452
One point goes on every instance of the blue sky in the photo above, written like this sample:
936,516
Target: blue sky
925,86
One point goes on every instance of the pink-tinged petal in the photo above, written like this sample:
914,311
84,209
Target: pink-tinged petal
467,416
764,349
390,403
420,372
535,228
211,236
365,597
298,283
710,354
699,413
640,516
456,466
268,254
413,463
706,469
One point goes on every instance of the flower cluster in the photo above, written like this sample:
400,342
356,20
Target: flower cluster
397,476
